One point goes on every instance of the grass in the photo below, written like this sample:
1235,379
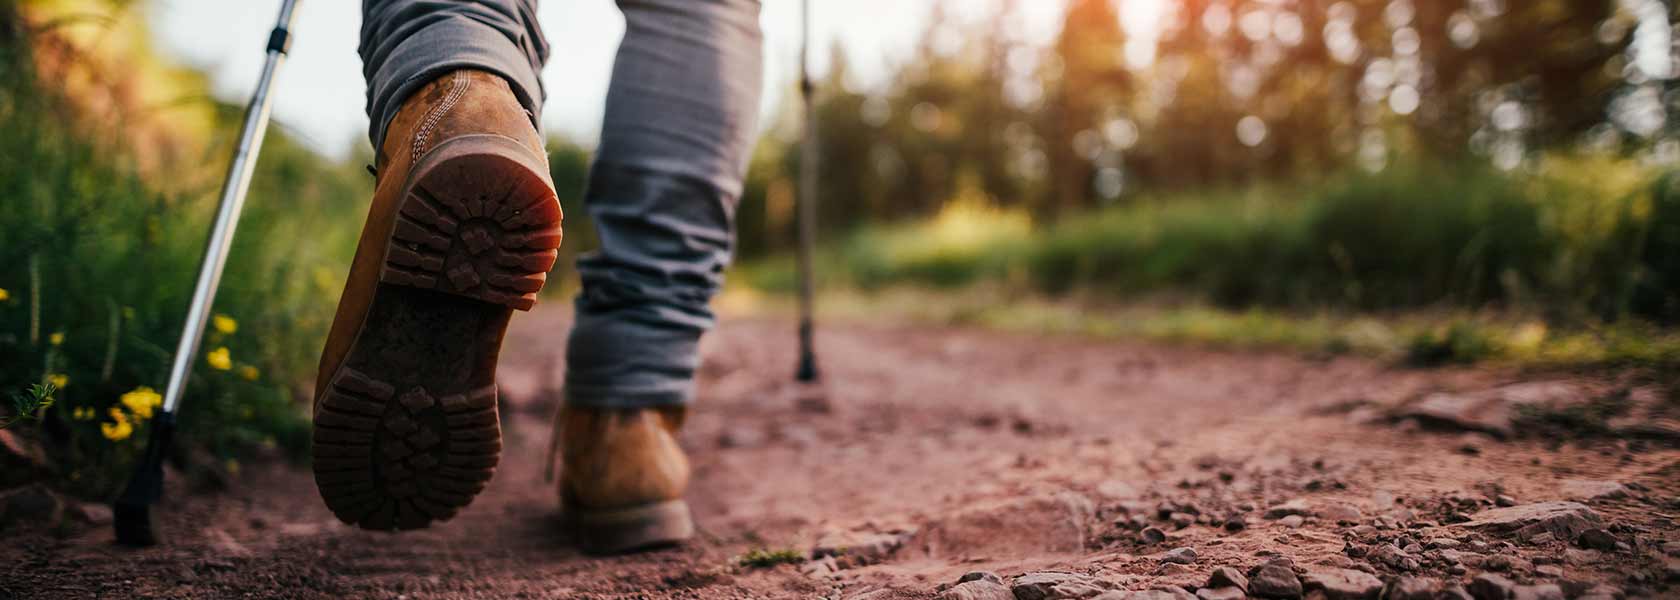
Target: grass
1573,263
97,265
763,558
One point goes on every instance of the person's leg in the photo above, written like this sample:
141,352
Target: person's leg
462,229
406,44
678,132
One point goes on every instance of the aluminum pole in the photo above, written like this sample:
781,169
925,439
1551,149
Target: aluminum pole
807,213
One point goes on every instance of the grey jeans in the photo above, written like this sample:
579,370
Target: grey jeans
675,141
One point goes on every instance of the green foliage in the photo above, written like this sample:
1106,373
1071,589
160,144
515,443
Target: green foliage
97,267
28,404
761,558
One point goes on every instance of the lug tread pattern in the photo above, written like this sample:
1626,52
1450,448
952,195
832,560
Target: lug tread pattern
419,458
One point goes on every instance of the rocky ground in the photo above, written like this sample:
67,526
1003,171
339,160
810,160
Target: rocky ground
942,463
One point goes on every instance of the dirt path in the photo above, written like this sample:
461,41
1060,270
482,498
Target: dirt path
940,452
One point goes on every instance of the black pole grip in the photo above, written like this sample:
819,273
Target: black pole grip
132,514
280,40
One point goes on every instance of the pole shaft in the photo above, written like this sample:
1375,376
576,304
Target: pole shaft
807,213
227,216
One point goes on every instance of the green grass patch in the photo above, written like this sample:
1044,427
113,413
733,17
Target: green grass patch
763,558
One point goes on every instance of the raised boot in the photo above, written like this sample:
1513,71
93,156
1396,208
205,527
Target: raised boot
622,478
463,229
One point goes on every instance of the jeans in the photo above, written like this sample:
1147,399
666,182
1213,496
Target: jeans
678,132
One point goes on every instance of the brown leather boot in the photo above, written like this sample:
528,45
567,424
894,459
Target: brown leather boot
463,229
622,478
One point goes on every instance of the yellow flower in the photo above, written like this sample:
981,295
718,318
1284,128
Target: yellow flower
224,324
119,429
82,413
5,295
56,339
220,359
249,372
116,432
58,380
141,401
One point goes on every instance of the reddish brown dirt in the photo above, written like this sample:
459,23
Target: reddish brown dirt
982,451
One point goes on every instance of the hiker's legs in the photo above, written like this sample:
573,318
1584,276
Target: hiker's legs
408,43
678,132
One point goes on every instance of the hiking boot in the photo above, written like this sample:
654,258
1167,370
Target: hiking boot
622,478
463,229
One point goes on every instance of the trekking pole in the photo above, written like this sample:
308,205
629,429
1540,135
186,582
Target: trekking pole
132,511
807,213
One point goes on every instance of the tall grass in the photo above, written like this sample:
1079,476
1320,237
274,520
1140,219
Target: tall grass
98,266
1581,240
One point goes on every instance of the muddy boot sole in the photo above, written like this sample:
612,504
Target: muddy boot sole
630,529
407,431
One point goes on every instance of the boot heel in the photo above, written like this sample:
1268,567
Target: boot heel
479,220
620,530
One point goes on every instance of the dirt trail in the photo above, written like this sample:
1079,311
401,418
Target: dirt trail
940,452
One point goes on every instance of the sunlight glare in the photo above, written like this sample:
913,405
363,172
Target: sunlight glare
1143,21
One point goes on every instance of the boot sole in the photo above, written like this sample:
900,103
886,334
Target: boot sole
622,530
407,432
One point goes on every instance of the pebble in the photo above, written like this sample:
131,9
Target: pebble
1183,556
1581,557
1152,535
1565,520
1274,580
1292,521
1290,508
1549,570
1597,539
1412,588
1224,593
1342,584
1345,514
1056,585
980,576
1488,586
1227,577
978,590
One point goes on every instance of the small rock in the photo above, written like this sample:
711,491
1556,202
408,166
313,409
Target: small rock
1224,593
1152,535
1545,591
1488,586
1504,501
1290,508
30,506
820,568
1235,523
1443,543
1391,555
1343,584
1548,570
1183,556
1341,513
1590,489
980,576
1227,577
1601,592
861,546
1565,520
1411,588
1275,580
1292,521
977,590
1055,585
92,513
1453,592
1597,539
1156,594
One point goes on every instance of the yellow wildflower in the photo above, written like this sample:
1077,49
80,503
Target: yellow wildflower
224,324
220,359
56,339
141,401
82,413
5,295
249,372
58,380
119,429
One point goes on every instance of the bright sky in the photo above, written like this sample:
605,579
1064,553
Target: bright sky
320,93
